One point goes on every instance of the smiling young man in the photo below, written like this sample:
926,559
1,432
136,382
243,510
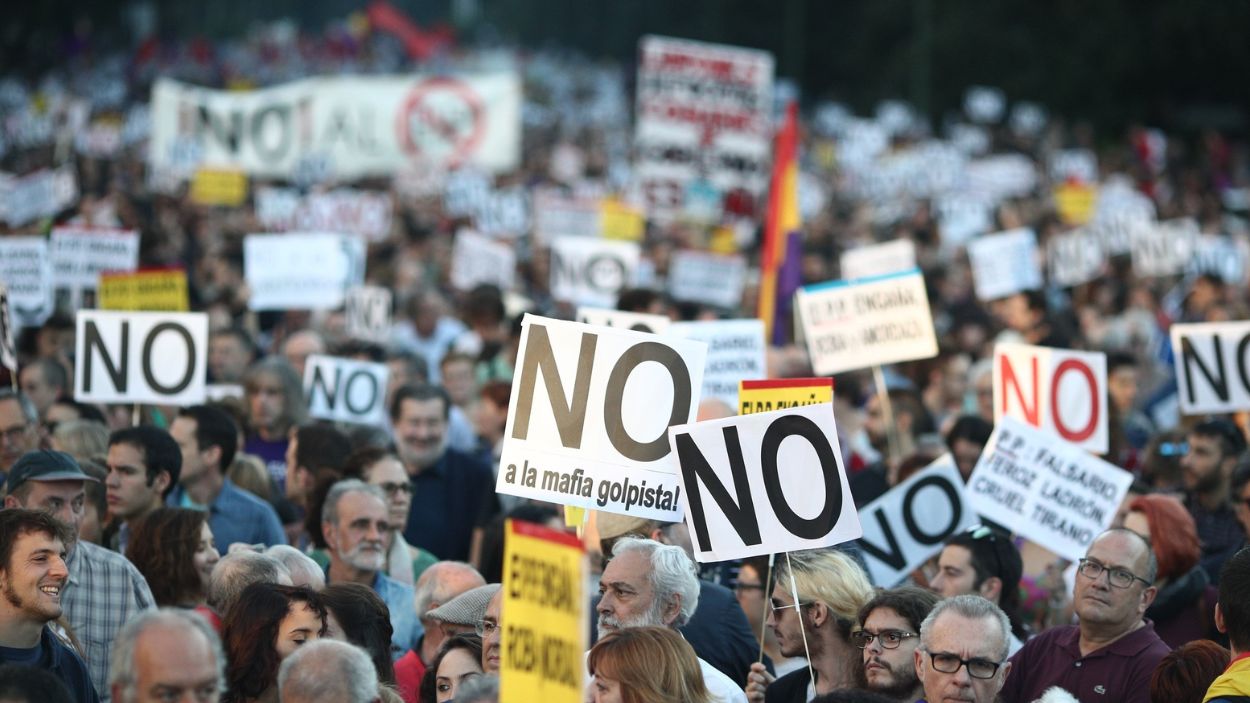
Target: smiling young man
889,631
144,463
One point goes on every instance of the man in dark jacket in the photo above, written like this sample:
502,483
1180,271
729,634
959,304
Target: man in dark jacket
1232,616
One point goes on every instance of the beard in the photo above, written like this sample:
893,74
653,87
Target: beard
653,617
364,558
901,685
15,599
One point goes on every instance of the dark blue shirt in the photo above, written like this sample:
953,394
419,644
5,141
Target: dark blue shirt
236,516
446,499
53,655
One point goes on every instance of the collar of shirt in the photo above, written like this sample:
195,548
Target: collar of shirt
1128,646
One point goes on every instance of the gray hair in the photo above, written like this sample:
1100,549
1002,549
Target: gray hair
972,608
238,570
29,411
82,439
673,574
330,509
328,670
304,571
479,689
122,658
432,585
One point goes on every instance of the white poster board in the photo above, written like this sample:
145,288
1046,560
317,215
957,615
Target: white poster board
26,268
346,390
369,313
8,350
1060,391
1005,263
623,319
1073,258
80,254
735,353
478,259
710,279
591,271
1211,371
1163,249
140,357
879,259
304,271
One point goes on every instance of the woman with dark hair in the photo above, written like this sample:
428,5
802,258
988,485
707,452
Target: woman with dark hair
457,661
266,624
357,615
173,549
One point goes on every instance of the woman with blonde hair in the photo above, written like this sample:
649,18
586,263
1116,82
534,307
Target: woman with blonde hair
645,665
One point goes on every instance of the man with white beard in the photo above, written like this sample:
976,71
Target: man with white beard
354,522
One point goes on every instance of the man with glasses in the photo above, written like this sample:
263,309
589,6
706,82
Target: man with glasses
963,651
19,424
1215,446
889,632
1112,651
983,562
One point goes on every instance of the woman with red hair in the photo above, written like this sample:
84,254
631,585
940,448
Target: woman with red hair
1184,609
1185,674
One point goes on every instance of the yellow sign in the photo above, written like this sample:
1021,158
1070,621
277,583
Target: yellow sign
544,616
1075,202
781,393
157,289
620,221
213,187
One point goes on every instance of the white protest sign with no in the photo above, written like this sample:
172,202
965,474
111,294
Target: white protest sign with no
625,320
26,268
591,271
1005,263
1163,249
711,279
477,259
855,324
1050,492
369,313
764,483
1058,390
1073,258
140,357
913,520
879,259
1212,375
735,353
346,390
8,350
589,415
301,271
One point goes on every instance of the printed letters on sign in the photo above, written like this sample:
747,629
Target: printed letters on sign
1212,369
591,271
140,357
1058,390
346,389
770,394
1005,263
735,352
369,313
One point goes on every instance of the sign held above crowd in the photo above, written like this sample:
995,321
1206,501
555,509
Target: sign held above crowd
1057,390
1212,369
346,390
140,357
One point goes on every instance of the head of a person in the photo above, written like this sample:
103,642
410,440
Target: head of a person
458,661
491,631
407,368
354,523
383,469
357,614
167,654
490,415
831,589
1161,459
483,689
266,624
981,561
64,409
21,683
420,414
1232,612
301,345
463,614
645,665
963,650
32,564
19,427
174,550
238,570
966,440
52,482
485,313
910,416
440,584
44,381
1241,494
1215,446
230,351
144,464
888,634
81,439
1166,522
751,591
456,374
646,583
1122,381
95,508
275,397
313,451
1115,581
303,570
208,440
1185,673
328,670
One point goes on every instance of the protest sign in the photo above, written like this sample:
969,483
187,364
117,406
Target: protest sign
853,324
352,126
735,352
1119,211
346,390
879,259
591,271
1074,258
39,195
503,213
1005,263
1048,491
751,492
1212,374
557,216
546,610
588,417
80,254
1220,256
26,268
1075,202
1075,165
8,350
1001,176
622,319
217,392
912,521
305,271
149,289
766,395
219,187
1057,390
369,313
345,210
140,357
622,221
1163,249
476,259
962,217
711,279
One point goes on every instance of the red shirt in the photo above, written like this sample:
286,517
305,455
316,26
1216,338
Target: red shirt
409,670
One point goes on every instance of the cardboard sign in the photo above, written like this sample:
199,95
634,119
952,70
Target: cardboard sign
1163,249
766,395
80,254
622,319
1074,258
546,610
1057,390
1048,491
749,491
879,259
306,271
359,212
710,279
1212,369
912,521
8,350
735,352
26,268
140,357
346,390
153,289
369,313
854,324
589,413
219,187
1005,263
39,195
476,259
591,271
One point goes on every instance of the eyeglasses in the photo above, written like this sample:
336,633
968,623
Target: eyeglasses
740,586
775,605
486,628
14,433
889,639
948,663
1120,578
391,489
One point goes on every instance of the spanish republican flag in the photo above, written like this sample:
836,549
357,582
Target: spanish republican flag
780,273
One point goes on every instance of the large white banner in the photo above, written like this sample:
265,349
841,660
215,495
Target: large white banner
591,271
589,415
1212,374
340,127
306,271
26,268
141,357
735,353
1058,390
1005,263
711,279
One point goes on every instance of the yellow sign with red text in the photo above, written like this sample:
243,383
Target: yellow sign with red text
781,393
162,290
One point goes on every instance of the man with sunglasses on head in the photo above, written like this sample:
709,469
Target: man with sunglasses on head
1214,447
1113,650
888,634
984,562
962,654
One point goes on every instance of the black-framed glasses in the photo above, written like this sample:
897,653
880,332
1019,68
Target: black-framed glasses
978,668
391,489
14,433
740,586
889,639
1120,578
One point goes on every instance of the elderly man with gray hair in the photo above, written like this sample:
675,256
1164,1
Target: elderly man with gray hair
328,670
167,654
963,650
238,570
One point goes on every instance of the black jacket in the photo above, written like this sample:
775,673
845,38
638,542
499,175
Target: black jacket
56,657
